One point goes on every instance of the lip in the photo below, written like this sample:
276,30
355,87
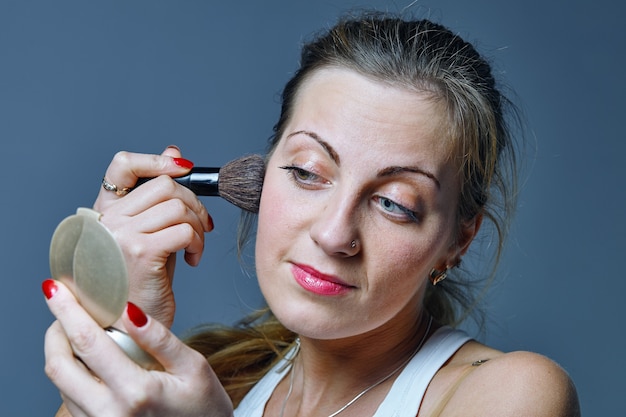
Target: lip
316,282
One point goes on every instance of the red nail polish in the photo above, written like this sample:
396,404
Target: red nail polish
49,288
135,315
211,226
182,162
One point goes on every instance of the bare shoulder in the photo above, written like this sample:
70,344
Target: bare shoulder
506,384
527,383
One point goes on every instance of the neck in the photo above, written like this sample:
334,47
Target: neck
328,374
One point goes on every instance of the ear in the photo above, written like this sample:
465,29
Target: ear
467,232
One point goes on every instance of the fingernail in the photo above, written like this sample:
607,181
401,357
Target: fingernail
211,226
135,315
173,147
182,162
49,288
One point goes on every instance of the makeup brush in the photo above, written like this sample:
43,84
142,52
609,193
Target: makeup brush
239,181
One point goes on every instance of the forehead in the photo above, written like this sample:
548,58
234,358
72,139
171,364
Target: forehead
359,113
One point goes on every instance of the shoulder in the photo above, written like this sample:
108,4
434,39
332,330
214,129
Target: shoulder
507,384
530,383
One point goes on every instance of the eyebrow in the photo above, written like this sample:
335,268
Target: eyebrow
387,172
390,171
329,149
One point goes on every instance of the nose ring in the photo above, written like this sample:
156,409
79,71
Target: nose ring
353,244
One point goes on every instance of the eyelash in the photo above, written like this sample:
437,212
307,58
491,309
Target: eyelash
307,178
411,215
301,175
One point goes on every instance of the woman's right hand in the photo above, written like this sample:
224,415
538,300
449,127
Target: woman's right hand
152,223
96,378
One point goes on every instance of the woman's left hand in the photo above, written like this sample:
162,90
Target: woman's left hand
105,382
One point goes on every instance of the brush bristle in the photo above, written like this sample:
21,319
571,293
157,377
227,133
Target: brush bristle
241,181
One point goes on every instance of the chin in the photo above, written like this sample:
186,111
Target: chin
318,322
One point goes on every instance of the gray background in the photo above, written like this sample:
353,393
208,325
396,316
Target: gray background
80,80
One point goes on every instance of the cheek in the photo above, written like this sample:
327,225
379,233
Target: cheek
404,272
276,225
401,266
269,213
282,215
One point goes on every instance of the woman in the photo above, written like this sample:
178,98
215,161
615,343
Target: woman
391,151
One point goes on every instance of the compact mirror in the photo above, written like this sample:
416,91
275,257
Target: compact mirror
85,256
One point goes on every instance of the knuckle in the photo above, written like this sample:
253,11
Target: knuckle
167,186
161,162
178,207
162,340
121,157
138,399
201,365
202,211
53,368
198,206
187,231
135,250
63,310
83,341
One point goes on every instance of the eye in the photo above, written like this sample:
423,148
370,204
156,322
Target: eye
397,210
303,176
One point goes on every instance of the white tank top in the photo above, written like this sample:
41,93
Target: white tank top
404,397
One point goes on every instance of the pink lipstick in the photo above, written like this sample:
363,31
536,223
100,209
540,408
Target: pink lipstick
314,281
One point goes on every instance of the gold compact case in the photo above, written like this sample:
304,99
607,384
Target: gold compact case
85,256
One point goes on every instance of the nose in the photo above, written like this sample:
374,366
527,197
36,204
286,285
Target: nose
335,229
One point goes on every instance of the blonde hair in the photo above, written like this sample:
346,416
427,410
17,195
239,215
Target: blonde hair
428,58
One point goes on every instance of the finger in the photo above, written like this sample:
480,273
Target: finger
172,151
175,357
90,406
63,367
181,237
127,167
155,192
183,222
66,371
160,231
171,203
88,341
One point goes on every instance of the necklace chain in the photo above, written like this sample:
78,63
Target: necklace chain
366,390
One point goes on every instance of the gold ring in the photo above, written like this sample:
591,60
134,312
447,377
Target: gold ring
112,187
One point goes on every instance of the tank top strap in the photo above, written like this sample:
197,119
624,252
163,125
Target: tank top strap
404,397
253,404
406,394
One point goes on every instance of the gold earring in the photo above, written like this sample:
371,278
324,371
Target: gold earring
436,276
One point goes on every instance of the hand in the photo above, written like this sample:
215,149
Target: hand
152,223
105,382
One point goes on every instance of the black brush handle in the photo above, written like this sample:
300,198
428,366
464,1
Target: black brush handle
203,181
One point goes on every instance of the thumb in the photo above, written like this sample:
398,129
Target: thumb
159,343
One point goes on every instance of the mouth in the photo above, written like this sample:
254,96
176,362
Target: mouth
316,282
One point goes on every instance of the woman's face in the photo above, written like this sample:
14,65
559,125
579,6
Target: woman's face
365,161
